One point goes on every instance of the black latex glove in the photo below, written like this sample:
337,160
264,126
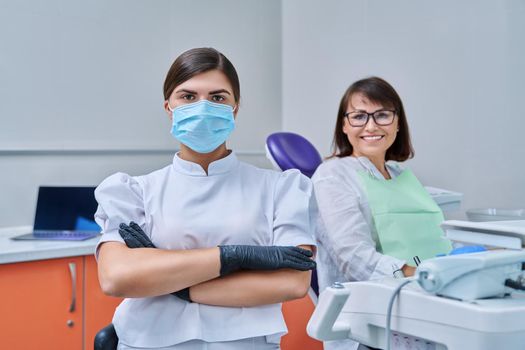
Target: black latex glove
247,257
136,238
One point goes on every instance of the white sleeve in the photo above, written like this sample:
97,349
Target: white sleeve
294,210
347,237
119,200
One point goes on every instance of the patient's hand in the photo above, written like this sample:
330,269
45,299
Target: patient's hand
408,270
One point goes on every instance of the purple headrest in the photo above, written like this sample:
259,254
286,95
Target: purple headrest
292,151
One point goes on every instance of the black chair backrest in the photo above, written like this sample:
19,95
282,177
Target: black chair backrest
106,338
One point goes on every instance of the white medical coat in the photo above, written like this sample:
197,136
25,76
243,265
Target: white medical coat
182,207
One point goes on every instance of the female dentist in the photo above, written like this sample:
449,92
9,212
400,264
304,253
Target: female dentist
374,217
227,233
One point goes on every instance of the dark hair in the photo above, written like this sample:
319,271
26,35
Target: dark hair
196,61
377,91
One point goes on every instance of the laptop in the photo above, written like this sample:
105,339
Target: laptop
64,214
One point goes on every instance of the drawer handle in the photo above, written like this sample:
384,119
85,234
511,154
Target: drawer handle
73,272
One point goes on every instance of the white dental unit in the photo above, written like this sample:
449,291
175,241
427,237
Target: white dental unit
466,301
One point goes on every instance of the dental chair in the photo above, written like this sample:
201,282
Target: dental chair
287,150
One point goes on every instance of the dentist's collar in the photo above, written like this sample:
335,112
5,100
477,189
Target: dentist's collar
220,166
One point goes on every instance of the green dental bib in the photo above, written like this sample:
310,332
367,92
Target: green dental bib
405,216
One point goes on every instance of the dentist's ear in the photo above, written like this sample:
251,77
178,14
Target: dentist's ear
168,109
235,110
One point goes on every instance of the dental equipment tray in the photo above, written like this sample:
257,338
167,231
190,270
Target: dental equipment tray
512,228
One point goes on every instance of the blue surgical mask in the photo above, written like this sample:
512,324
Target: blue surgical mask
202,126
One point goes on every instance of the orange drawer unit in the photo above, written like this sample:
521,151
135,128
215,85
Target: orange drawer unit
41,304
52,304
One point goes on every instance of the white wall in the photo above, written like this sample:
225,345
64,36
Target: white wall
81,86
459,67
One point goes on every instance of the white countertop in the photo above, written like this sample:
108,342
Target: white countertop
18,251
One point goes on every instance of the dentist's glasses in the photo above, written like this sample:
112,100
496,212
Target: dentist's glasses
382,117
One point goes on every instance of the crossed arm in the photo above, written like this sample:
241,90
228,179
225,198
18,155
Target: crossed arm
146,272
253,288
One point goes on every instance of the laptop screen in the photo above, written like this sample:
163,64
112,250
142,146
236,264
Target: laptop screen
65,208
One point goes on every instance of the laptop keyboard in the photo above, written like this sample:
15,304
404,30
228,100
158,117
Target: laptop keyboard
65,235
